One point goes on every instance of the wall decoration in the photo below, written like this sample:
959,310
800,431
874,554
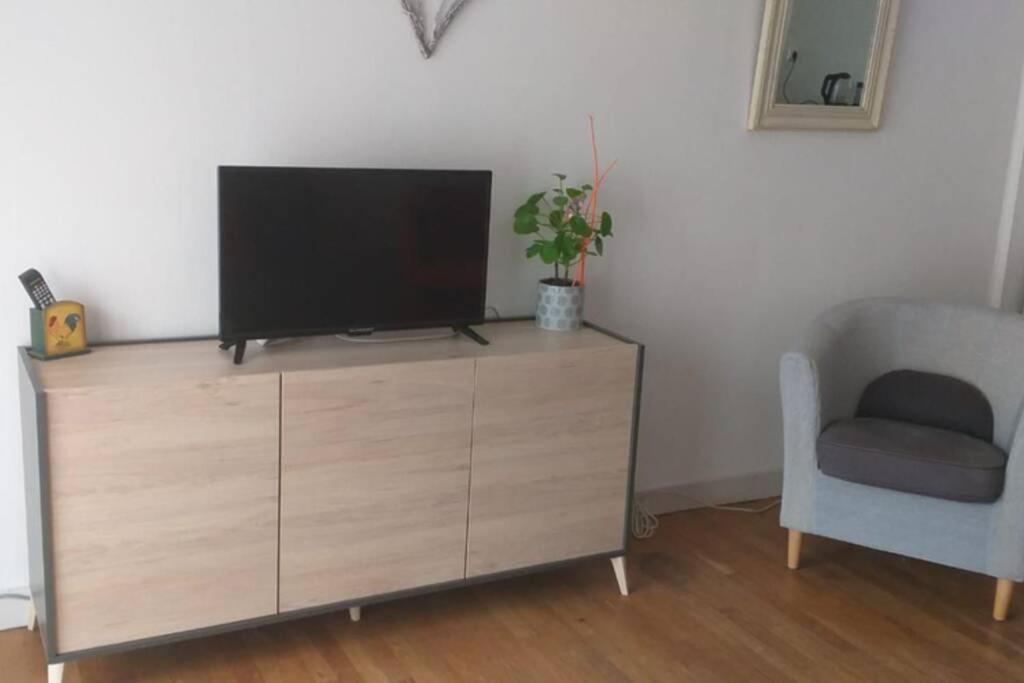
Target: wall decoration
823,64
58,330
418,15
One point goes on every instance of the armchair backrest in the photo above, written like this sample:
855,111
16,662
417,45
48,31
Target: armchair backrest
929,399
982,346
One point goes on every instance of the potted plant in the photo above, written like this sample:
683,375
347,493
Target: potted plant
566,229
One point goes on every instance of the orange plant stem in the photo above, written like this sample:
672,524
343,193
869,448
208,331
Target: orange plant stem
581,272
590,210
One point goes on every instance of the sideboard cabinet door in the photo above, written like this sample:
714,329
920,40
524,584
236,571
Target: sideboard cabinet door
164,507
374,480
551,457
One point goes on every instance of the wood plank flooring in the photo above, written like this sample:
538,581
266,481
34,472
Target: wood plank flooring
711,600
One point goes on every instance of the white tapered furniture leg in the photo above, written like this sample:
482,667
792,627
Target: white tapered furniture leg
33,620
619,565
355,613
55,673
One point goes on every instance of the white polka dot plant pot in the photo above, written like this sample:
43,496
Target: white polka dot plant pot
559,307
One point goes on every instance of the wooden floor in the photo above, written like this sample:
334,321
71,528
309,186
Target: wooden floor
712,600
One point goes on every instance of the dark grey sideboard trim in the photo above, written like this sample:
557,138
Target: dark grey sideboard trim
36,466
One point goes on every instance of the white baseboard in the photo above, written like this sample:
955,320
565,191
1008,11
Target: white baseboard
13,613
716,492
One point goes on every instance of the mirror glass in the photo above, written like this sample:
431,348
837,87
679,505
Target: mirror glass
826,52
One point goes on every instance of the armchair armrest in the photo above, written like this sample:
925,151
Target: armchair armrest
801,425
1006,539
820,383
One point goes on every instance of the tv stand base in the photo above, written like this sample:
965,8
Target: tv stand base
470,333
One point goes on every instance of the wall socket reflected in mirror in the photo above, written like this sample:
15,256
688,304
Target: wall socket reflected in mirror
823,64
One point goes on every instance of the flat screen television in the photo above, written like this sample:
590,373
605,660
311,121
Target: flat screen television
308,251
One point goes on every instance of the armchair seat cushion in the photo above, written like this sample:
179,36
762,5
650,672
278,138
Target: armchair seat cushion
912,458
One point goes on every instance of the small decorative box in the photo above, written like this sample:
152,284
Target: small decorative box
58,330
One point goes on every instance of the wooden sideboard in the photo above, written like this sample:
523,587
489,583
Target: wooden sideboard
172,494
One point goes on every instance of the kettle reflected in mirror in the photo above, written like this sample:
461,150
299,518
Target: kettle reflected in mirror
835,89
827,49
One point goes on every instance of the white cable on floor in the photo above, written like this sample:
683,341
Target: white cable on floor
644,523
731,508
753,511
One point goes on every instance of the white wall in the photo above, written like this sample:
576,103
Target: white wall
1007,283
1013,284
114,115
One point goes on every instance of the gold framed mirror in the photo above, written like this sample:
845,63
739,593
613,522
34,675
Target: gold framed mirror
823,64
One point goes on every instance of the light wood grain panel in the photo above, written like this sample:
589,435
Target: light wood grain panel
164,508
375,480
158,363
551,450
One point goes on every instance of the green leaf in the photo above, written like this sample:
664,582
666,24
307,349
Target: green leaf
570,248
549,252
606,224
534,249
527,210
579,226
526,224
573,192
599,245
587,188
535,198
560,201
560,176
556,218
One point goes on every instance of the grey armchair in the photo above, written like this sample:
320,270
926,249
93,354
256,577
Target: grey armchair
822,382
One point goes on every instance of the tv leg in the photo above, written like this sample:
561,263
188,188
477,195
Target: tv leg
239,347
470,333
239,352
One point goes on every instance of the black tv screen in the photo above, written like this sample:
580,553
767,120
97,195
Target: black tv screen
308,251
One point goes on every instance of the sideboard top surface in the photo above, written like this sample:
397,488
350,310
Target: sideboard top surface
172,361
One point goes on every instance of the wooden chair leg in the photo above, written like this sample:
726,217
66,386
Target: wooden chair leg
1004,591
796,539
55,673
33,619
355,613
